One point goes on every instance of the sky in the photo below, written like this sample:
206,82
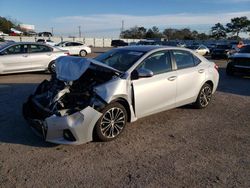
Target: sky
103,18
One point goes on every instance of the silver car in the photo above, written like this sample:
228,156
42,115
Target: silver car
27,56
97,97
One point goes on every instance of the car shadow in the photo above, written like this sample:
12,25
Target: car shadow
13,128
238,84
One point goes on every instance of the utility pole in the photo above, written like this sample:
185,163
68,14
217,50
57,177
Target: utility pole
52,31
122,28
80,33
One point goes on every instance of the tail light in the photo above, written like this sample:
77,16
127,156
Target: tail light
216,67
67,53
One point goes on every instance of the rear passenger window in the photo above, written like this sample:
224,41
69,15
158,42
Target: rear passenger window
39,48
69,44
158,63
183,59
196,60
17,49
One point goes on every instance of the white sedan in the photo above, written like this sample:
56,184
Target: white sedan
75,48
200,49
26,57
95,98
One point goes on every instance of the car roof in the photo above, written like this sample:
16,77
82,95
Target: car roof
147,48
16,43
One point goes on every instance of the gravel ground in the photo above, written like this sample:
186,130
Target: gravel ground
183,147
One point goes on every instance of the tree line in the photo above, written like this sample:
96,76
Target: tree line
218,31
230,30
6,24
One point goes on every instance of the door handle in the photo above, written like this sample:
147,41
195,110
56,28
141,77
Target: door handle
49,54
201,71
172,78
25,55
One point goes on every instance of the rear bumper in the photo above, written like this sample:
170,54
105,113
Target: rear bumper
73,129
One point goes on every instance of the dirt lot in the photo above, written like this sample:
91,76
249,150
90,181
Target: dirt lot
183,147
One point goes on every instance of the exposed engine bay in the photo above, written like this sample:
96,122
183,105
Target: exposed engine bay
66,108
60,97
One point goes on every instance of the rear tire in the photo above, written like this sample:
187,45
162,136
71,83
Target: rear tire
204,97
83,53
112,123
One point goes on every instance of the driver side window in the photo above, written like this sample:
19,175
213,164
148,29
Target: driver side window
158,62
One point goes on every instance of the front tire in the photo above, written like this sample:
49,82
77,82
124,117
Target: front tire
112,123
204,97
52,67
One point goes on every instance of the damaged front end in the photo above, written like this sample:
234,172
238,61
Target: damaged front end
66,108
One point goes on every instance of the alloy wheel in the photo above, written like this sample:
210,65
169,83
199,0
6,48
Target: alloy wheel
205,96
112,122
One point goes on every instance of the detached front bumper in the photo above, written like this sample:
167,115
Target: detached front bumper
76,128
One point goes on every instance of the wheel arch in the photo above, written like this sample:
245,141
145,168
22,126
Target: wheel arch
125,104
210,82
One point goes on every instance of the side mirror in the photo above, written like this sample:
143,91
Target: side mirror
141,73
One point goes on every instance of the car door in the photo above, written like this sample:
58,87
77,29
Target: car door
156,93
15,59
39,56
190,76
69,46
77,47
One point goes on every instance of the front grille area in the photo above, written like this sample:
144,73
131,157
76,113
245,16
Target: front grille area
33,111
241,61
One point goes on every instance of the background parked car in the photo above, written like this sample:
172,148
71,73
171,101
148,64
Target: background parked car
26,57
74,48
47,41
211,46
239,62
116,43
45,34
147,42
221,51
200,49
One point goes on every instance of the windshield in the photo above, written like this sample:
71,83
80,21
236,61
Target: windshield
60,44
120,59
245,49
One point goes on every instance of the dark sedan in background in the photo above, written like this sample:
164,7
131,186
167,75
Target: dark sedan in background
239,62
221,51
116,43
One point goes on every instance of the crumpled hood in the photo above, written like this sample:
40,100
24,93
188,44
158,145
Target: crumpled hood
70,68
